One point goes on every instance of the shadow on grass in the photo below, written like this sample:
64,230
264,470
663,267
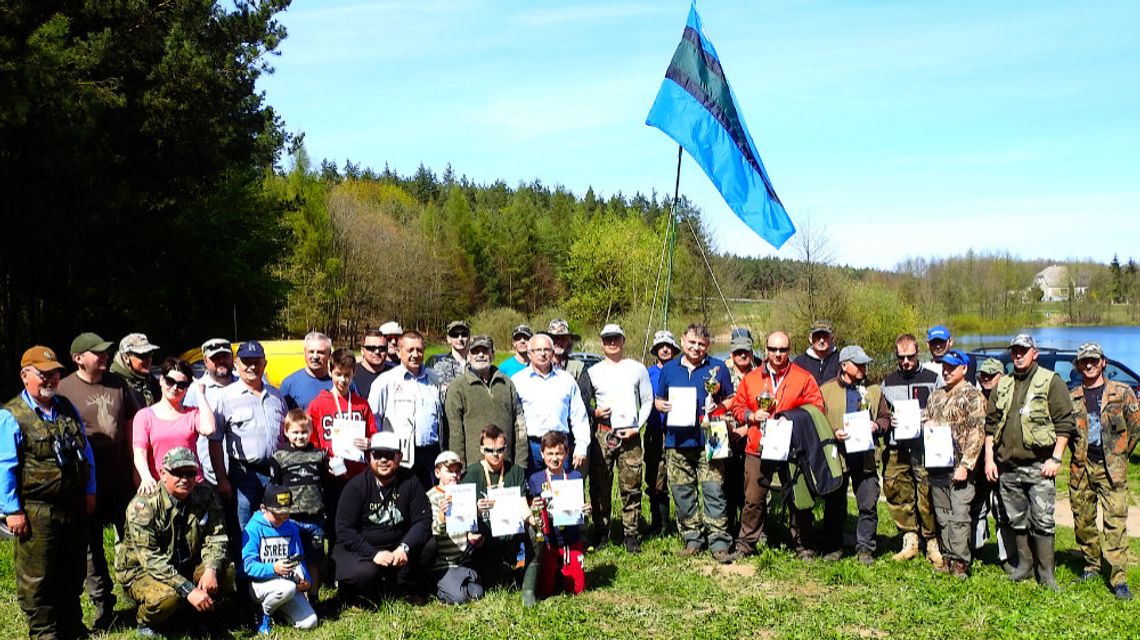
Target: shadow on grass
601,575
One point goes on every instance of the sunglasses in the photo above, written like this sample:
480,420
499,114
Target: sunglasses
494,451
374,348
777,349
903,357
459,334
384,454
180,384
184,474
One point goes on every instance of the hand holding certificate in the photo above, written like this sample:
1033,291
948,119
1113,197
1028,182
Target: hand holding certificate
908,420
938,443
462,515
344,434
858,428
508,513
566,502
777,440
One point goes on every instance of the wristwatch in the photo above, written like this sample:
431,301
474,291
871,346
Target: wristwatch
403,547
1055,459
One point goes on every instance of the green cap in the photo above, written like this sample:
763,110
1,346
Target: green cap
85,342
179,458
991,366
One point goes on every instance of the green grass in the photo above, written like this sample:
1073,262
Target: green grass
657,595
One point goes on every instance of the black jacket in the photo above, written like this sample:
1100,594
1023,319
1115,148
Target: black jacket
371,519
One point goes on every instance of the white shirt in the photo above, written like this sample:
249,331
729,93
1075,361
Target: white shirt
625,388
553,402
399,398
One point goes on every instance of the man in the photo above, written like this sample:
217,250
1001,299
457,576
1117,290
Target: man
483,395
906,485
618,396
849,393
1108,426
132,363
373,361
551,400
1029,422
249,415
564,339
961,407
106,405
742,360
938,342
407,401
519,337
787,386
821,359
989,373
656,486
173,558
300,387
392,332
218,358
690,471
47,486
449,366
985,498
383,526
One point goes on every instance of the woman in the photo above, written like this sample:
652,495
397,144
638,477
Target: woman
168,423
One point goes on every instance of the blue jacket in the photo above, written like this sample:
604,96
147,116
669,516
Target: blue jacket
262,545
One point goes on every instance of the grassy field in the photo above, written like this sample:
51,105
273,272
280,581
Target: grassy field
657,595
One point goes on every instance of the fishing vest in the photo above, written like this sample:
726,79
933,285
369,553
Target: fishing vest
1036,423
41,476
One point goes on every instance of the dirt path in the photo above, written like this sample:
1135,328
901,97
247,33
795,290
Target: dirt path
1064,516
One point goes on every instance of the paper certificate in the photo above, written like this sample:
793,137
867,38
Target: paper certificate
858,428
938,444
716,445
908,420
566,502
777,440
507,514
463,514
683,409
344,432
623,414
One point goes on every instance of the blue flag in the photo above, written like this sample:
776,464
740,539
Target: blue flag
695,107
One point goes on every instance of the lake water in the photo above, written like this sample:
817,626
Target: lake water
1119,343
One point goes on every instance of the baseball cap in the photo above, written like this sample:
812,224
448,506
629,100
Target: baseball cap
937,332
42,358
458,324
447,457
179,458
854,353
486,342
278,499
522,330
740,343
822,326
1089,351
664,337
956,358
214,346
250,349
137,344
991,366
391,328
611,330
384,441
88,341
1023,340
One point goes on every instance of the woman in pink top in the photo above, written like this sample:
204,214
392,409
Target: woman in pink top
168,423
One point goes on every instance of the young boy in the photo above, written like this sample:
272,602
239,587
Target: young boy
456,581
564,547
341,403
272,557
500,558
299,467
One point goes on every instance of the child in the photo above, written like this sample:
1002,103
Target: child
456,581
564,548
272,557
341,403
299,467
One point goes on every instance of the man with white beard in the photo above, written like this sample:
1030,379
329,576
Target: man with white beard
480,396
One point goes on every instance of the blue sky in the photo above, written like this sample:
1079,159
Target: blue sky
901,128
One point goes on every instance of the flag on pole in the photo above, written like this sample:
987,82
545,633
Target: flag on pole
695,107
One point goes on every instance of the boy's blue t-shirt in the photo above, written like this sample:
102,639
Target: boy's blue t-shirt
674,374
561,536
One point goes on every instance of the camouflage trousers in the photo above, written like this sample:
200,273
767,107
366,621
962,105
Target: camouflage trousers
690,471
627,457
159,602
1094,489
906,487
50,565
1028,499
952,503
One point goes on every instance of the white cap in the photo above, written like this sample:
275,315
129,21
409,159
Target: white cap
611,330
384,441
391,328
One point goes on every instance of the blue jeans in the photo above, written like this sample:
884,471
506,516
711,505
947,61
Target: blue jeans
534,460
249,489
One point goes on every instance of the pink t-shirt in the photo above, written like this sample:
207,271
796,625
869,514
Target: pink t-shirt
157,436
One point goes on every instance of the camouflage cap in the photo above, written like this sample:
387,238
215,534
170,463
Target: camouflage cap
179,458
486,342
991,366
278,499
136,343
1023,340
559,327
1089,351
458,324
522,330
822,326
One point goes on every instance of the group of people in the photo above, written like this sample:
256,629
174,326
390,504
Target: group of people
352,472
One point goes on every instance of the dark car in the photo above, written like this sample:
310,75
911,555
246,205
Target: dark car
1061,361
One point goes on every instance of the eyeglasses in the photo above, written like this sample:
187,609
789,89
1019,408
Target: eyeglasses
384,454
903,357
459,334
542,350
777,349
54,373
374,348
184,474
494,451
182,385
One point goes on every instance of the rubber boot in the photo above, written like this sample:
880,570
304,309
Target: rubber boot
530,576
1024,568
1007,550
660,513
1043,551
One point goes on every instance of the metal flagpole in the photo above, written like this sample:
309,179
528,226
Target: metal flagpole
672,231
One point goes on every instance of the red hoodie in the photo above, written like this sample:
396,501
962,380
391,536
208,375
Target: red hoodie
796,388
323,409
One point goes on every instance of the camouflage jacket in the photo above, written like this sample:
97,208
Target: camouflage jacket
149,541
1120,429
963,408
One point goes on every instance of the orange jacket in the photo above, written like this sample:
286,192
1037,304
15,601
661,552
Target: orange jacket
797,389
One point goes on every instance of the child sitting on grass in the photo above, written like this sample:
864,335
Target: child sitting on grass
299,467
272,557
564,548
455,577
